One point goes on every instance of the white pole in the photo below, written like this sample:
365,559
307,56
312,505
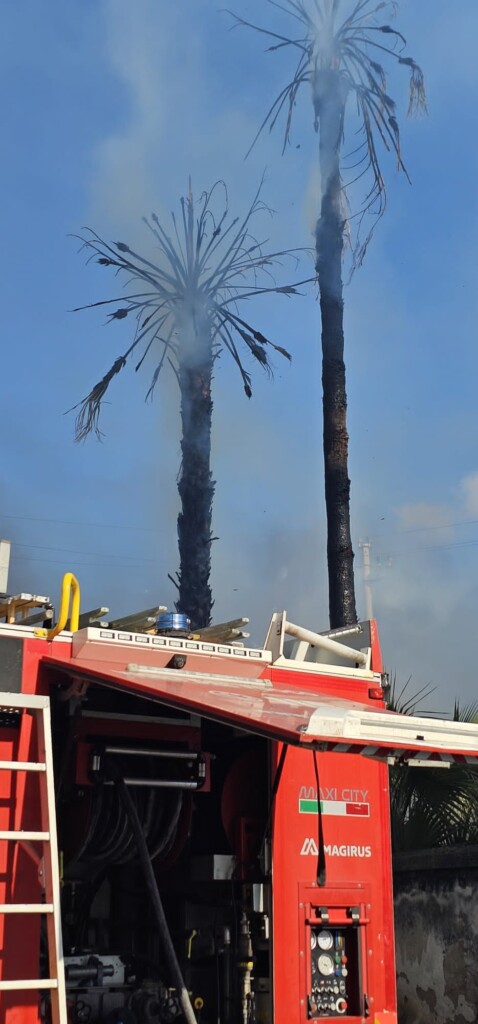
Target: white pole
4,565
366,545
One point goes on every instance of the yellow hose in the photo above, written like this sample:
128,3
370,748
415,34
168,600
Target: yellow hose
69,586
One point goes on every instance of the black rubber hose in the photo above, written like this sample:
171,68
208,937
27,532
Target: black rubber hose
95,813
170,828
165,935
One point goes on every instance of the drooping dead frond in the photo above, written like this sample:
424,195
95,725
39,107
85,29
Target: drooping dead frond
87,418
186,301
418,98
347,55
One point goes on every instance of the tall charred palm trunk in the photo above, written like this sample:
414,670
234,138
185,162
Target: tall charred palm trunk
196,490
329,101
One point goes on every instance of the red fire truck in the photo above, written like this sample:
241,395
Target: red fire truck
195,829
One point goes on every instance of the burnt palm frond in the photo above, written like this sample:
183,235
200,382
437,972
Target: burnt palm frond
258,336
185,303
88,416
351,50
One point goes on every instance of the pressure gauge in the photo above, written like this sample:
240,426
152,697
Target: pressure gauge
325,964
325,940
313,940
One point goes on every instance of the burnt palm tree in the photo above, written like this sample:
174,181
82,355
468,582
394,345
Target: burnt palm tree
185,306
341,47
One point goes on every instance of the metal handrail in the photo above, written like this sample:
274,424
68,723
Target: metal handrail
327,644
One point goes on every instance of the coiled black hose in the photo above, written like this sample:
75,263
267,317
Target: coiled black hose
109,840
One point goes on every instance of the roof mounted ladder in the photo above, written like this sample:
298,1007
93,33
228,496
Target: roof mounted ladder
39,708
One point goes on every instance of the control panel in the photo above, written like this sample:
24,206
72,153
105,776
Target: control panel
329,988
334,962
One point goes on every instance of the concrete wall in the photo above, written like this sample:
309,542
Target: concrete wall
436,933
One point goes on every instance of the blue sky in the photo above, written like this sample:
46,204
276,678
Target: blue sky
108,108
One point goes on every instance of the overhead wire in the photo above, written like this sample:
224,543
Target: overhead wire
125,561
394,555
94,565
71,522
75,551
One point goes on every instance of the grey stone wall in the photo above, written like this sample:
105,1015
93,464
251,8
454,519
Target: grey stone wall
436,934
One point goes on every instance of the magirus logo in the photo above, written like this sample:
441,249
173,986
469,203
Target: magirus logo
310,848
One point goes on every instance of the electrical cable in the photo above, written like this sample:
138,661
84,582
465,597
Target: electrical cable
70,522
321,864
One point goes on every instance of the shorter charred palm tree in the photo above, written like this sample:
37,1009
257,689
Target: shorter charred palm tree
185,305
341,47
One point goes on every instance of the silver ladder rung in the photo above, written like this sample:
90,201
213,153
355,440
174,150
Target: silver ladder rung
27,984
22,766
24,836
26,908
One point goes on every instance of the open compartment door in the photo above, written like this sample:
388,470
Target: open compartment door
283,711
387,735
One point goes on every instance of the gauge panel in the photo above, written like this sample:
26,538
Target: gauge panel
334,982
325,939
325,965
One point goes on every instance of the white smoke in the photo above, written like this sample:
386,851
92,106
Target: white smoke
469,491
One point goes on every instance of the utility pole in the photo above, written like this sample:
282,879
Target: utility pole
4,565
366,546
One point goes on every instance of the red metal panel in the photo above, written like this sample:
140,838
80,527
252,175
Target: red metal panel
270,707
358,873
279,705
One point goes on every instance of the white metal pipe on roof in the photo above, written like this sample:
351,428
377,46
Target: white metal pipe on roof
341,650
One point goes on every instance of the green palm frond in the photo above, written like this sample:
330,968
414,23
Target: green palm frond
467,713
207,265
406,703
432,806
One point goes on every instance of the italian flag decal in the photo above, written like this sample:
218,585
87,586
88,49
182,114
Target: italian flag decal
338,808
